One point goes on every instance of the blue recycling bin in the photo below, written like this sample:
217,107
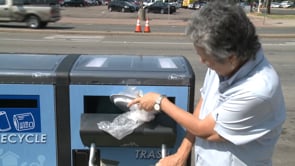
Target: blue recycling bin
33,101
93,78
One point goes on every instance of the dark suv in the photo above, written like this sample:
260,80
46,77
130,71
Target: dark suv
121,6
77,3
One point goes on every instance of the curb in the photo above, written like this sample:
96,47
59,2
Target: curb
123,33
90,32
276,35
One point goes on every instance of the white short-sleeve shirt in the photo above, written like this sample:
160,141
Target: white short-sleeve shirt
249,111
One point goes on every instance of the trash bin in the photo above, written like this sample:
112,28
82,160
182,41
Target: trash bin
31,129
94,78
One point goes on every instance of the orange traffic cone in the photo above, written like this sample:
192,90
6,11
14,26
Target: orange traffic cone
147,27
138,27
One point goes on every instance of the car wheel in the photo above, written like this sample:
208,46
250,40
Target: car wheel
33,22
162,11
123,10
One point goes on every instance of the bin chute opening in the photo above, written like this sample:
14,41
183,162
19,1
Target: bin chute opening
18,103
104,105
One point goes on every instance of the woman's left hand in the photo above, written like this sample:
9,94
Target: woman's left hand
172,160
145,102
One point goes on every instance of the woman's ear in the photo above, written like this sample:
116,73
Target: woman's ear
233,61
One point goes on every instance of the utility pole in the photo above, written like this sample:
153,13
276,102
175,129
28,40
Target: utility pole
259,6
268,2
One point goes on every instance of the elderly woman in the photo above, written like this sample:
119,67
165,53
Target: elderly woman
239,116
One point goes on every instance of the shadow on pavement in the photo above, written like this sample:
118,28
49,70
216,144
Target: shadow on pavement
49,27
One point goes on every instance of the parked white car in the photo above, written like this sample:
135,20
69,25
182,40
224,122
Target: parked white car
286,4
149,2
275,5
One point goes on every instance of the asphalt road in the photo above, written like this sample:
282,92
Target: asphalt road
279,51
98,20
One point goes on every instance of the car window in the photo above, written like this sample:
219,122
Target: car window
128,3
17,2
158,3
2,2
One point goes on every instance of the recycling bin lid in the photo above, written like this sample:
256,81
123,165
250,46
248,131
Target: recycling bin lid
132,70
29,68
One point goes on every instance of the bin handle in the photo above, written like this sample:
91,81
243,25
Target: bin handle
92,156
163,151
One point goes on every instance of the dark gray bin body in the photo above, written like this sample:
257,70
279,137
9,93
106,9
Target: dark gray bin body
96,77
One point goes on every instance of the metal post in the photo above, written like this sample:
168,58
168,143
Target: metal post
164,151
92,155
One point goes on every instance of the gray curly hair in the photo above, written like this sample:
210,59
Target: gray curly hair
223,29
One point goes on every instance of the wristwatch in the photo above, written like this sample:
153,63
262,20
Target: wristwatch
157,106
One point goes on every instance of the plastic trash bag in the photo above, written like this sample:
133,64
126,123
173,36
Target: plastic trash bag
124,124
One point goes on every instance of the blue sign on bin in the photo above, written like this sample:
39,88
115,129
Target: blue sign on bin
19,113
4,122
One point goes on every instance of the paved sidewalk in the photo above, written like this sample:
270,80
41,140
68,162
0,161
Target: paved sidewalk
261,21
124,21
258,21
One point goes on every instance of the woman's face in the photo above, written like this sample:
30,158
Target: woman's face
225,68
